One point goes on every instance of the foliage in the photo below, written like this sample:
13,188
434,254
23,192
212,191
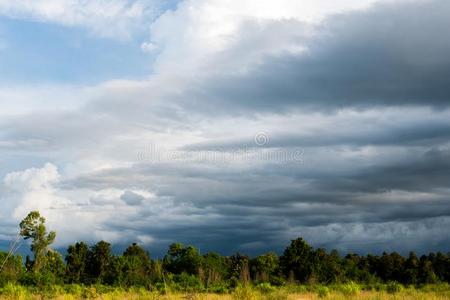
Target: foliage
323,291
350,288
33,227
394,287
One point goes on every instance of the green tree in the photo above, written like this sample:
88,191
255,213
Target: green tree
239,269
426,271
296,260
411,270
54,269
99,262
33,227
12,268
76,260
214,268
136,266
441,266
181,259
326,267
265,267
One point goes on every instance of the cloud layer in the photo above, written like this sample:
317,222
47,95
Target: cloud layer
261,122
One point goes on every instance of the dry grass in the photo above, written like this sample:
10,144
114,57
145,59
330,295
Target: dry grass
17,292
306,296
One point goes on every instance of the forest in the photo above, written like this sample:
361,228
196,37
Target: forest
184,269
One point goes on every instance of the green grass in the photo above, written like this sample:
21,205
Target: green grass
345,291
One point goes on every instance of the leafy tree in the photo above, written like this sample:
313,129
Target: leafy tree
411,269
33,227
135,266
296,260
326,267
426,271
76,260
54,269
99,262
213,269
239,269
265,267
441,266
181,259
12,268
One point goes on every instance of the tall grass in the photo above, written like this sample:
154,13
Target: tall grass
345,291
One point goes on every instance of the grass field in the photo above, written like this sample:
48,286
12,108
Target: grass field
340,292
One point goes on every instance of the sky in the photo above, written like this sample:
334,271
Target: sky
229,125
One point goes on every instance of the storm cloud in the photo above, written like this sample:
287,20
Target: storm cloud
254,127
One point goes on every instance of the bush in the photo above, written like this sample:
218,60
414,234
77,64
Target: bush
295,288
278,294
14,291
244,293
74,289
265,288
277,281
188,283
322,291
90,293
350,288
436,288
394,287
218,288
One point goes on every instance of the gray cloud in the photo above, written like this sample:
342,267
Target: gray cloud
223,208
132,198
390,55
367,102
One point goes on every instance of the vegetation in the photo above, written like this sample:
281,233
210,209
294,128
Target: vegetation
88,271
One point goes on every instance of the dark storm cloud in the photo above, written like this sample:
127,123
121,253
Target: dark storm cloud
425,173
429,130
226,209
390,55
367,182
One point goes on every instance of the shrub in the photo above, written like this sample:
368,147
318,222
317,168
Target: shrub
74,289
90,293
276,295
188,283
437,288
322,291
295,288
394,287
244,293
218,288
14,291
265,288
350,288
277,281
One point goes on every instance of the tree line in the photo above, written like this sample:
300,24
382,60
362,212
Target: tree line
184,268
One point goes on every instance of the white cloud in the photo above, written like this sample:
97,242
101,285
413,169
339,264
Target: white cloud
148,47
24,99
114,19
201,29
94,211
31,189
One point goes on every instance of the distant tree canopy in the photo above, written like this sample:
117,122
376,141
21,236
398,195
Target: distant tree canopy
185,267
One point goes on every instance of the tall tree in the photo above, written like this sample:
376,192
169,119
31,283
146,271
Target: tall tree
136,266
76,260
33,227
264,267
296,260
99,261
